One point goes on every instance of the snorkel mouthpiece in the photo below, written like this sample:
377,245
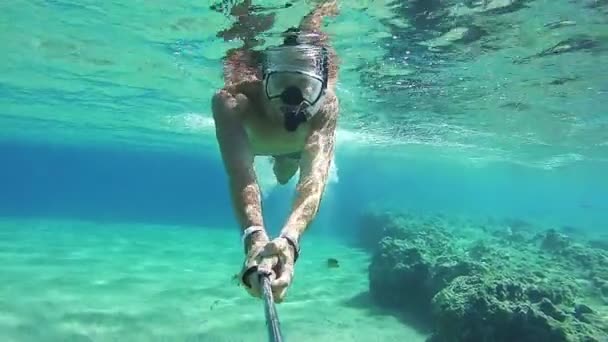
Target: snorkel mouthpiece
292,96
294,118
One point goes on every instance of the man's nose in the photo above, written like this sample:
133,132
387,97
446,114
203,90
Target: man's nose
292,96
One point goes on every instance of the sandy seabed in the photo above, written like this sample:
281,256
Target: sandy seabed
82,281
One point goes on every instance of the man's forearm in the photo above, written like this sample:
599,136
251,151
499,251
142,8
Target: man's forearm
314,20
246,200
238,161
305,208
309,192
244,188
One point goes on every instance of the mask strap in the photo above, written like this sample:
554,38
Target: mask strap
325,66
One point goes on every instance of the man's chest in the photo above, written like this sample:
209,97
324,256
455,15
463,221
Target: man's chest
271,138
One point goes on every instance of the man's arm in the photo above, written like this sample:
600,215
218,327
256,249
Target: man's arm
237,157
314,170
319,149
314,20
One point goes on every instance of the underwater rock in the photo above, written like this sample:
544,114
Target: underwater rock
594,260
601,244
604,291
580,312
412,262
550,310
398,276
517,223
602,287
511,235
471,284
512,230
375,225
554,241
558,292
500,309
372,226
408,270
479,250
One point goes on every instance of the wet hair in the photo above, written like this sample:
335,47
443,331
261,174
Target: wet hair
294,36
291,36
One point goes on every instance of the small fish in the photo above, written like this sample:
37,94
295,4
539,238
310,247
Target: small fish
236,279
558,24
332,263
574,44
570,45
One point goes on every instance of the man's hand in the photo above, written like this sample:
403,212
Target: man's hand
283,255
274,259
249,275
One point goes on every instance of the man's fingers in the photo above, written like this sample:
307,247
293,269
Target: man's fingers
283,281
266,266
279,286
271,249
274,262
241,102
279,295
277,247
254,281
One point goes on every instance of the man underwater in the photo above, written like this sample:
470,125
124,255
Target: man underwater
279,102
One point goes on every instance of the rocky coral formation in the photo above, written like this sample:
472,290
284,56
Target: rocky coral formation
494,281
412,264
590,263
474,308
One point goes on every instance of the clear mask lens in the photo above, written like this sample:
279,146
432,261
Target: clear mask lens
311,87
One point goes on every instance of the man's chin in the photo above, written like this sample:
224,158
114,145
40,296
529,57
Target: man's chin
276,117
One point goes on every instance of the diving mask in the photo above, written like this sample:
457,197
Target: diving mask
297,77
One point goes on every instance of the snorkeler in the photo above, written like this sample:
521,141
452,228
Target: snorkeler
279,102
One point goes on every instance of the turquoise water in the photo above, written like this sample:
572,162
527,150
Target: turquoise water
115,221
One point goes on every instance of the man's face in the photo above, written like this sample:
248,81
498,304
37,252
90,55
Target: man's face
293,82
290,91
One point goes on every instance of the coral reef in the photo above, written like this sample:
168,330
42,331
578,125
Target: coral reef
487,281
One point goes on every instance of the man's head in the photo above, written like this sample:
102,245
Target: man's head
295,80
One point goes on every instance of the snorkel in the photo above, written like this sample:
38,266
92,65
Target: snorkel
294,116
296,75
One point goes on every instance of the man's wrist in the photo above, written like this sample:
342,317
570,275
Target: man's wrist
293,239
291,232
252,235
